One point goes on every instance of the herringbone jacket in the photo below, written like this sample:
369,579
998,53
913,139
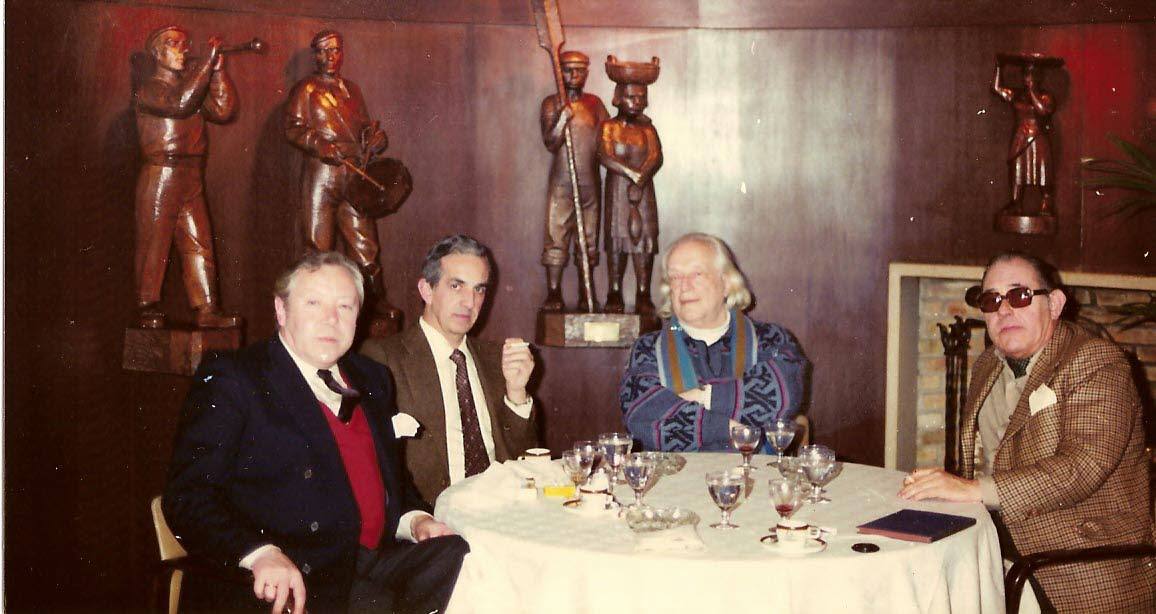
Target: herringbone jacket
1073,474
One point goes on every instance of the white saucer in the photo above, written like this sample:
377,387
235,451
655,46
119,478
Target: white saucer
811,546
590,505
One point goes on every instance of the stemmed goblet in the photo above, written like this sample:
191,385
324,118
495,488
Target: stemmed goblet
578,464
614,449
818,463
787,495
746,439
726,489
780,434
639,469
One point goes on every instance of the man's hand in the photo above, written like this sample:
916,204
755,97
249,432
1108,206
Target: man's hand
517,365
939,484
335,153
275,579
425,526
564,117
216,59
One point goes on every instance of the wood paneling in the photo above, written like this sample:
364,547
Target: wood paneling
819,154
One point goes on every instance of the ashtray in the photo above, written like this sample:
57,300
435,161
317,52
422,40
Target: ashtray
651,519
668,463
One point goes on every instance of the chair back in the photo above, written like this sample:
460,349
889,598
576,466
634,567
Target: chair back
170,548
803,437
167,599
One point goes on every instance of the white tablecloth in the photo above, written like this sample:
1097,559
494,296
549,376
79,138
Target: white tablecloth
534,556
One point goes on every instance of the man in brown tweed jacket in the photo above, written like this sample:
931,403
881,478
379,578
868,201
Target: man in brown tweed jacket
1059,420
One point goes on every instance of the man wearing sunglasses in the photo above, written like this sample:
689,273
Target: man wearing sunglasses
1059,422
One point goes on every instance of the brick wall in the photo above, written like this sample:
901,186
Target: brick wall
940,300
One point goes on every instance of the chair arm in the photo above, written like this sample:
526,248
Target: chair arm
1023,569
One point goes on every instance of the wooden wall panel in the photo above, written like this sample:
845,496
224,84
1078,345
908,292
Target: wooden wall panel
819,154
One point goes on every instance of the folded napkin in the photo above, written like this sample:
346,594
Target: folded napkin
679,539
504,483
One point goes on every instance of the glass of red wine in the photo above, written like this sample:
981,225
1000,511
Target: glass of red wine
746,440
787,495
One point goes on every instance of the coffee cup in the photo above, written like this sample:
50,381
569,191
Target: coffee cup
794,534
539,458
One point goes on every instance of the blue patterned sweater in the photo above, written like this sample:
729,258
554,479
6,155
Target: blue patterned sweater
662,420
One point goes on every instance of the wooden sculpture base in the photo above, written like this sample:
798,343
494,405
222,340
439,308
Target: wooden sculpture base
1026,224
174,350
592,330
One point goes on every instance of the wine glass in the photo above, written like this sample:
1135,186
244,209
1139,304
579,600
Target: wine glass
614,449
639,468
577,464
726,490
746,439
787,495
780,434
818,462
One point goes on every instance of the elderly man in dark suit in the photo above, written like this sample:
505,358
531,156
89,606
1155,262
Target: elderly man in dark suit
469,395
286,465
1059,420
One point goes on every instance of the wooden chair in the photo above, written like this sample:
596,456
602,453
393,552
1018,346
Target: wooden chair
803,437
171,570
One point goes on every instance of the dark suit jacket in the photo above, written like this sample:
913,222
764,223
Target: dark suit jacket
1073,474
419,394
256,463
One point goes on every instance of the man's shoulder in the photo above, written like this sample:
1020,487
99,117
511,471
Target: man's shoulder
646,341
1087,352
389,350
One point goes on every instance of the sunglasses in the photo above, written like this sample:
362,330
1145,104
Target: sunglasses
989,302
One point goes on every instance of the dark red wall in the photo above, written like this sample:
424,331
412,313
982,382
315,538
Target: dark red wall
821,155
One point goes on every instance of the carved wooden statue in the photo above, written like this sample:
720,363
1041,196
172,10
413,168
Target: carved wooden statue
631,152
1029,155
326,117
583,113
171,108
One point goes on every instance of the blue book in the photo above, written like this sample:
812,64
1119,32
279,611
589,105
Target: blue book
917,526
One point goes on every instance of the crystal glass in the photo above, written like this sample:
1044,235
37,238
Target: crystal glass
726,490
787,495
780,434
639,469
818,463
614,449
746,440
577,464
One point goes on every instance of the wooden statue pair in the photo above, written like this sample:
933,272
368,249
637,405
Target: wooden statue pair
345,181
583,138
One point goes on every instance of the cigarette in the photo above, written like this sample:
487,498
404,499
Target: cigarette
518,344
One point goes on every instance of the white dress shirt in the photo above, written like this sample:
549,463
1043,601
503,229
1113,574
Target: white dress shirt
447,377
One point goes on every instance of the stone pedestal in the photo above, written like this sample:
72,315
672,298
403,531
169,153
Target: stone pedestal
174,350
599,330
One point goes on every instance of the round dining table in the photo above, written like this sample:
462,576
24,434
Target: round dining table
533,555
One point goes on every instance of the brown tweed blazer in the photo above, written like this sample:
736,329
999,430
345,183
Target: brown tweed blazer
419,394
1073,475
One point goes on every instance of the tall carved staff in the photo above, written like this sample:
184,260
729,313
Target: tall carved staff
551,38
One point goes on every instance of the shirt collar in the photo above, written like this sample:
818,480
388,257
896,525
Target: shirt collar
437,342
707,335
308,371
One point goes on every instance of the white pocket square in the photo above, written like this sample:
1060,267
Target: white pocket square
1041,398
405,425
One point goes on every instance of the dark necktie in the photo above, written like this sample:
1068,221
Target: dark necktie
475,449
349,396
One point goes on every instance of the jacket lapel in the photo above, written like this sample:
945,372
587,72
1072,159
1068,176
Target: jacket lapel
984,378
419,376
1041,374
285,383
